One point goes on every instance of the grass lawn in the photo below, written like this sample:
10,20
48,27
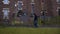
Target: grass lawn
25,30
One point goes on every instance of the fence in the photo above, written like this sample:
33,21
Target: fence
28,21
51,21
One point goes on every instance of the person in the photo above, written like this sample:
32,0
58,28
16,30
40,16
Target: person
35,20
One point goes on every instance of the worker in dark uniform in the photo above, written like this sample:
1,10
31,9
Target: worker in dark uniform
35,20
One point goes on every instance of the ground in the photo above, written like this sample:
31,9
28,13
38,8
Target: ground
29,30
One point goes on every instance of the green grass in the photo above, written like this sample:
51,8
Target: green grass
25,30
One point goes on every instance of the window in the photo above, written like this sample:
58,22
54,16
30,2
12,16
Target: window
43,10
5,13
58,10
32,6
58,1
19,13
42,5
6,1
32,9
32,0
20,4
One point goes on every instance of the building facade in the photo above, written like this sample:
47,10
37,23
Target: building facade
9,7
50,7
58,7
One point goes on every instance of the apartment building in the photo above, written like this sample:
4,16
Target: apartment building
58,7
10,7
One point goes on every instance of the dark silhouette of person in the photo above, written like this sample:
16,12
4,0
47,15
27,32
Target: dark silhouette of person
35,20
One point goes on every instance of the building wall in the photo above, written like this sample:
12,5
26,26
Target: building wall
50,7
11,7
26,7
58,7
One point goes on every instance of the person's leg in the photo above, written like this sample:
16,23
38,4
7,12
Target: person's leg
35,24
